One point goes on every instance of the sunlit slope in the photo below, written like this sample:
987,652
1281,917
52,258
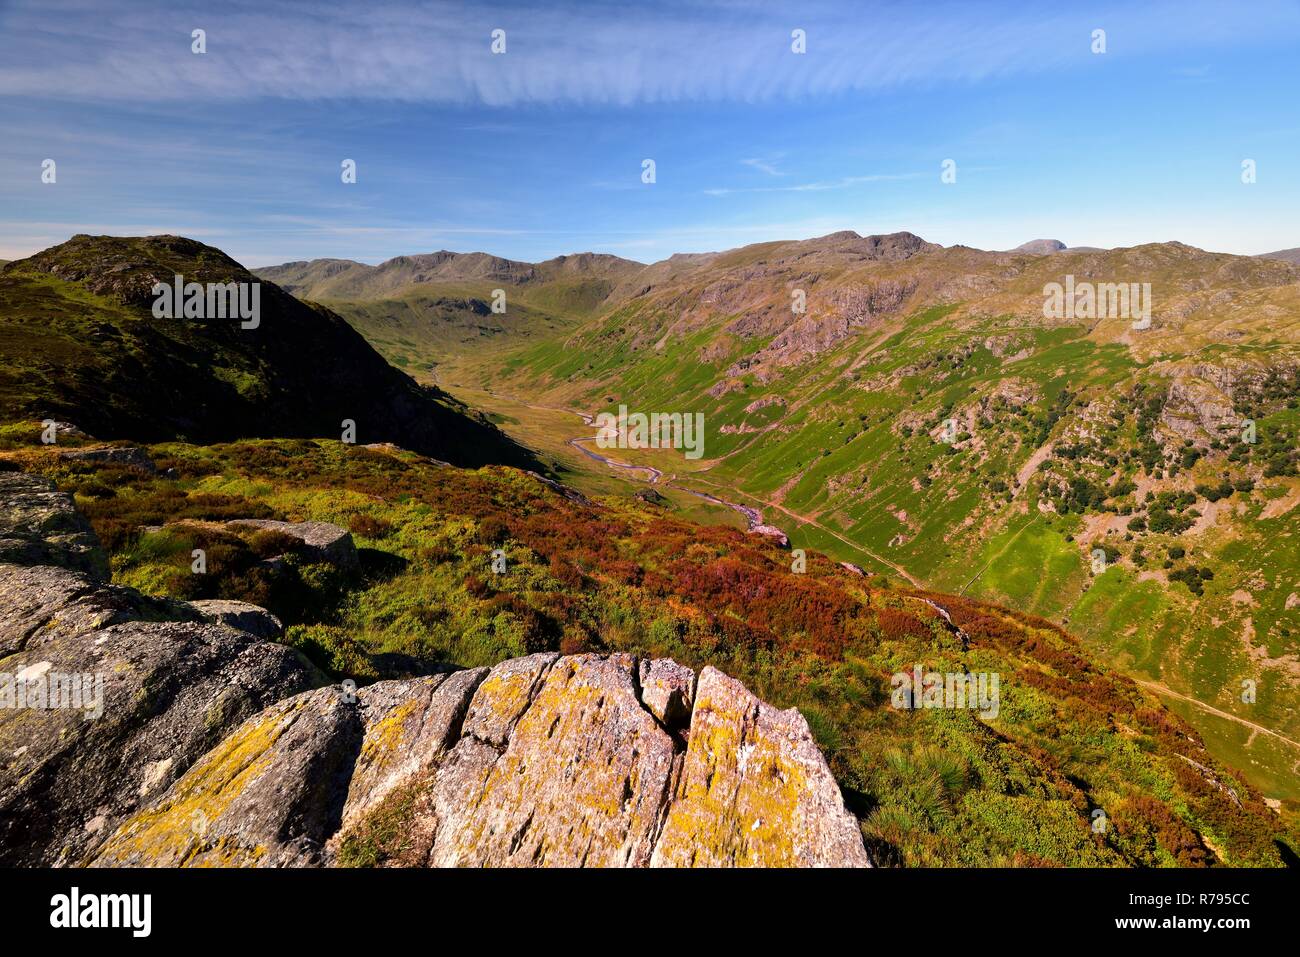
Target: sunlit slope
1069,435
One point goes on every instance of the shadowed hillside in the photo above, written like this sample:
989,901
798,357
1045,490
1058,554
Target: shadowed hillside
81,344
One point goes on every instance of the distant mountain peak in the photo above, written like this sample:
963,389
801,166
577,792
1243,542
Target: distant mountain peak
1285,255
889,246
1040,247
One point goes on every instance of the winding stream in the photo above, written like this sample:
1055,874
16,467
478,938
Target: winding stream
753,516
647,473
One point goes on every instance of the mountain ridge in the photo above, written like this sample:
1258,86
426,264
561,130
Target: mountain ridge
1286,255
1054,419
84,308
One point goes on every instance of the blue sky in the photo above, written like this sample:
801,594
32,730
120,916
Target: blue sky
538,151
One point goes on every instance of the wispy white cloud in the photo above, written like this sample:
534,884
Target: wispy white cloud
586,53
763,166
844,182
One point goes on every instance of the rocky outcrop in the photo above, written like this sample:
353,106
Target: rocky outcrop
240,615
754,790
106,695
39,525
548,760
44,604
410,725
567,491
558,764
321,541
1200,407
773,533
112,713
849,310
138,731
126,456
650,496
268,795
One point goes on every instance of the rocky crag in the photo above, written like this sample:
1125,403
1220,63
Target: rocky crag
218,746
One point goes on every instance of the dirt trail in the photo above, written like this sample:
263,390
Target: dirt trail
1003,551
808,520
1258,728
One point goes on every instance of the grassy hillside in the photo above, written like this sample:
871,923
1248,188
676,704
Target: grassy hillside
931,787
1069,436
80,343
418,310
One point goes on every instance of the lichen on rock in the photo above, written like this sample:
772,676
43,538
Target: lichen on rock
216,748
754,790
580,782
269,795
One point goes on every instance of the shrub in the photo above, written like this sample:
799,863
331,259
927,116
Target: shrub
368,526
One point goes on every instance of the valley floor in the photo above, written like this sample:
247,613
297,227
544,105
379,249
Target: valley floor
1268,756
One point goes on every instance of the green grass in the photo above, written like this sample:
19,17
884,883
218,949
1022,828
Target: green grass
931,787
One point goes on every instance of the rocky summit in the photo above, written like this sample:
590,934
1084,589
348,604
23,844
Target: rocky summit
205,743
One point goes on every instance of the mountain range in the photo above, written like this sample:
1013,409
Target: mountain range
910,469
924,416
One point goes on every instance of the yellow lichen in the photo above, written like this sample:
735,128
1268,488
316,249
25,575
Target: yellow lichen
726,813
172,832
386,737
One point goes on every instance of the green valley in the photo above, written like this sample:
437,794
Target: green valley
923,419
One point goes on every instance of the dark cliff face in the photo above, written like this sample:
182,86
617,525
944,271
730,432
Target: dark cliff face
77,322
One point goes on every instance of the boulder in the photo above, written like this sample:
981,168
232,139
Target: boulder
771,532
754,790
40,525
321,541
318,541
130,456
668,691
240,615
